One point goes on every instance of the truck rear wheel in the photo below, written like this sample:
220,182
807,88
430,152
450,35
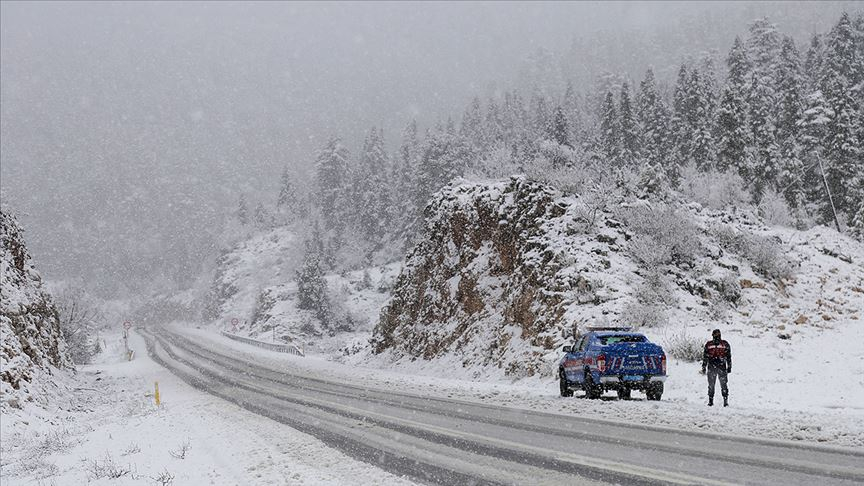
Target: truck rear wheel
655,392
562,383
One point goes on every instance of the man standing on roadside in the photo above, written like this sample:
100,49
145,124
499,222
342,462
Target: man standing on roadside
717,357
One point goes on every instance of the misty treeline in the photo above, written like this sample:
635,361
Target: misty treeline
755,130
770,120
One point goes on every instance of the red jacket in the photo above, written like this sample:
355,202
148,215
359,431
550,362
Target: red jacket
718,354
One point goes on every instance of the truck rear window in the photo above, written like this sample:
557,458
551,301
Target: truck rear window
605,340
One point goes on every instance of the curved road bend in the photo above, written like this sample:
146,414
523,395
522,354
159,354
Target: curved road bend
443,441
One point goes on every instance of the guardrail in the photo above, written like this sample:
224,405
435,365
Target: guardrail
279,348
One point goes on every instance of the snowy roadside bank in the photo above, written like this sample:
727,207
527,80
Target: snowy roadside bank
803,414
108,430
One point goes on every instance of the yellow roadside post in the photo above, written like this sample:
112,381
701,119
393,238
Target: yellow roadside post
158,401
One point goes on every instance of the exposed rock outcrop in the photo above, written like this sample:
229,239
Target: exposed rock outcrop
32,345
482,282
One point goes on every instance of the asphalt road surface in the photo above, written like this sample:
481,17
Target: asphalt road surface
442,441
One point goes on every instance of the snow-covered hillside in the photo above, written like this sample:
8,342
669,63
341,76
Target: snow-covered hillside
255,287
506,270
32,345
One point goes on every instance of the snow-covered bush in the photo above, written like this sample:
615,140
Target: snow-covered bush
683,346
765,255
775,210
728,287
80,318
643,314
712,189
652,297
662,236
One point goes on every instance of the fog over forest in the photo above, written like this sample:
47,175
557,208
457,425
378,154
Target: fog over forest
130,129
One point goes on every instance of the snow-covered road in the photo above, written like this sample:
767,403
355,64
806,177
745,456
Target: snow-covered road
106,430
452,441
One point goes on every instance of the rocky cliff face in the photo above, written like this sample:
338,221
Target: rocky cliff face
505,271
482,282
32,345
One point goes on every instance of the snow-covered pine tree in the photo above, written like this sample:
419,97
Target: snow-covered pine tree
242,212
790,85
813,129
331,172
372,201
653,117
681,116
842,64
813,62
573,112
542,121
517,127
628,129
610,132
732,127
443,157
559,134
764,154
404,179
560,129
763,50
287,205
261,217
494,123
703,94
472,124
311,286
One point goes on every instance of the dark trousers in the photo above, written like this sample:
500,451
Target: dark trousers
713,374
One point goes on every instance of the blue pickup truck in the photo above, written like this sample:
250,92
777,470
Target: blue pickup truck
613,359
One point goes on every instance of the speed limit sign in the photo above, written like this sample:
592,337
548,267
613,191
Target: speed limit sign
127,325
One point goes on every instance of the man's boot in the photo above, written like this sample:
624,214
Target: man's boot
710,401
725,400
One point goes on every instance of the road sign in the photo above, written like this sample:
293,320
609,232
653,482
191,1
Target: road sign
127,325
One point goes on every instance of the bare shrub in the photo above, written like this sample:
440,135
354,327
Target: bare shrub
132,448
181,452
59,440
106,469
164,478
684,347
34,462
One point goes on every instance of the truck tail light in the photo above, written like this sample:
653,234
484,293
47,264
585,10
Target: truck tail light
601,363
663,363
